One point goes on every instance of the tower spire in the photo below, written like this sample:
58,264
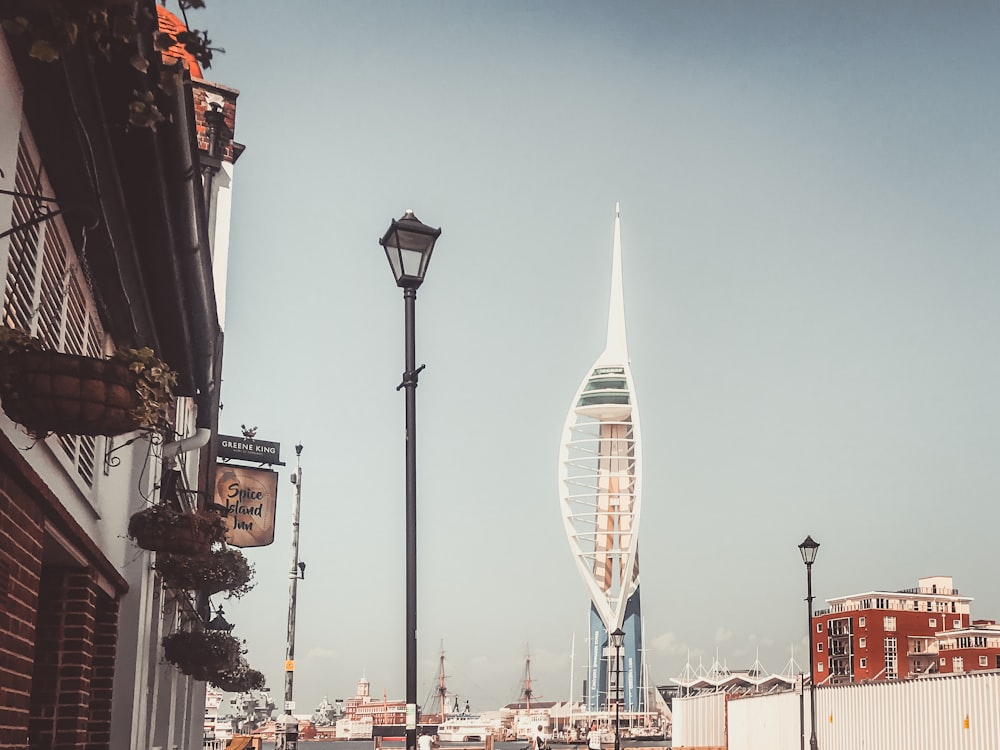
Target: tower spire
616,349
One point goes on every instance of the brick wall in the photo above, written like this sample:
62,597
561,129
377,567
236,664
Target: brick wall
60,691
102,672
20,571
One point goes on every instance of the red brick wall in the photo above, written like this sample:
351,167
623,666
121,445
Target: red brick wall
102,672
60,691
20,570
204,93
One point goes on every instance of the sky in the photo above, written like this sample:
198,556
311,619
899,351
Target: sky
809,218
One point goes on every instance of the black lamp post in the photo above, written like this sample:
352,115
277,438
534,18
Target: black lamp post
616,640
809,548
408,245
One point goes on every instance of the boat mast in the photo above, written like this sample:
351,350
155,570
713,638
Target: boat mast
527,682
572,659
442,690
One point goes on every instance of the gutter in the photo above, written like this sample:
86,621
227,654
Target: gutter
179,182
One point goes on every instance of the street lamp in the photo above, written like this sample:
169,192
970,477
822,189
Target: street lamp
616,640
408,245
809,548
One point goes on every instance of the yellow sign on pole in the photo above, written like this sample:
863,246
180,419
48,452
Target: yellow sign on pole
289,665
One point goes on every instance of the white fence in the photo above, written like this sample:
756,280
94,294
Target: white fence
699,721
951,712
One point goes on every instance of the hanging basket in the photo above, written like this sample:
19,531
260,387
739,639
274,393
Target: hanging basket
69,394
219,570
162,529
203,655
240,679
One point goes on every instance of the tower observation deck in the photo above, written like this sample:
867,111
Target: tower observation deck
600,483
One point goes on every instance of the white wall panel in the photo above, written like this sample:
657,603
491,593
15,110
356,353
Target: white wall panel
700,721
928,713
769,721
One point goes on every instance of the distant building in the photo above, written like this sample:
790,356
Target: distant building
890,635
970,649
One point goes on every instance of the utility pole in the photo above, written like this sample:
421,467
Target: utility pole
289,739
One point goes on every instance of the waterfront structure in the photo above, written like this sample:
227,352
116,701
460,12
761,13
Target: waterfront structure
890,635
114,233
600,490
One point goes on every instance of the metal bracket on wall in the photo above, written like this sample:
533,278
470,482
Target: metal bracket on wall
111,460
42,213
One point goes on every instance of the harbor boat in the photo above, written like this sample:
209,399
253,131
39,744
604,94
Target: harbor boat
468,728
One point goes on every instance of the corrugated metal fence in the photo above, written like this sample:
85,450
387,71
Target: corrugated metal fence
700,721
951,712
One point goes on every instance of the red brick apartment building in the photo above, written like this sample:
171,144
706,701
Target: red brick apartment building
890,635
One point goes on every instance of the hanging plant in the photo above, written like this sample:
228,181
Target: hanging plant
220,570
160,528
203,655
50,27
70,394
240,679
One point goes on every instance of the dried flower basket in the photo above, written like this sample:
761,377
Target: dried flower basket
241,679
202,655
219,570
163,529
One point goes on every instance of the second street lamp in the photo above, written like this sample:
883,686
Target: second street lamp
616,641
408,245
809,548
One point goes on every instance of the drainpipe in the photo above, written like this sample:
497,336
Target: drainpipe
183,204
172,450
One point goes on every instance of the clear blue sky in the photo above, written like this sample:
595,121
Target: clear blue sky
809,197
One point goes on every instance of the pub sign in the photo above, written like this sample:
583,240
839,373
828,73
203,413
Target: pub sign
250,495
249,449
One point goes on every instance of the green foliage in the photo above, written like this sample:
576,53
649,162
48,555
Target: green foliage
155,383
13,340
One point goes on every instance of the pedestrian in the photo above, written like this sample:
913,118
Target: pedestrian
594,737
540,738
424,741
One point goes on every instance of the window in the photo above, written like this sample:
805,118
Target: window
984,661
862,643
861,622
956,623
957,664
932,622
964,642
46,292
819,627
819,646
979,641
890,624
943,661
890,659
864,662
819,666
930,607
